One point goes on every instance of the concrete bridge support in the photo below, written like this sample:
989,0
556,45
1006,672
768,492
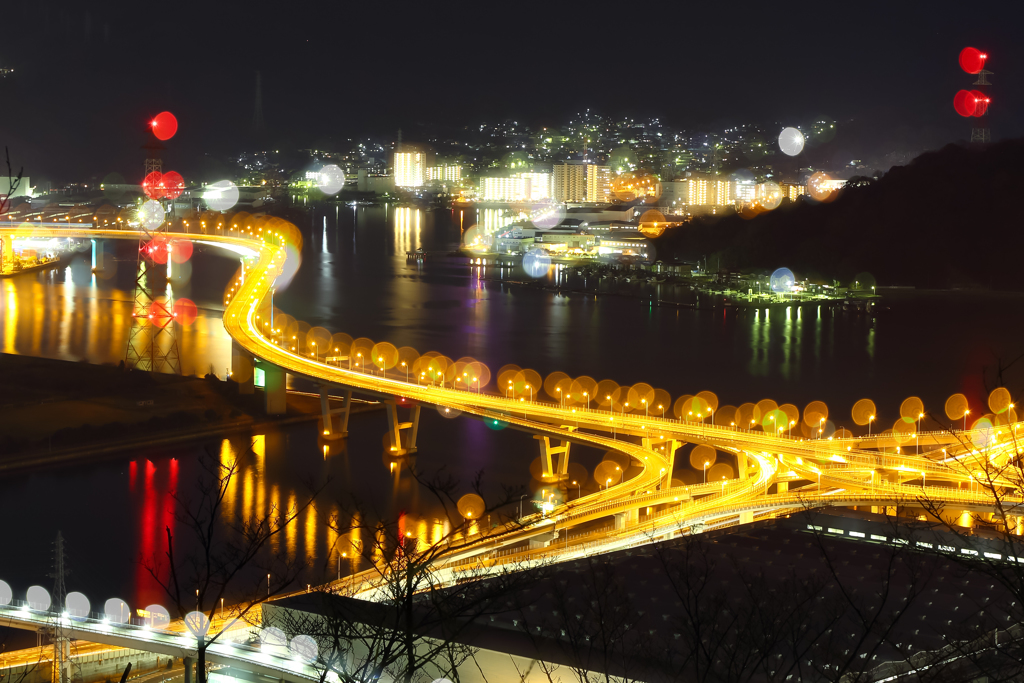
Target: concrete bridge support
782,487
623,518
746,517
189,664
403,434
329,432
242,368
554,459
275,389
741,465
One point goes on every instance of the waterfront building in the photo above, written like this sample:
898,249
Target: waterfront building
540,184
410,169
505,189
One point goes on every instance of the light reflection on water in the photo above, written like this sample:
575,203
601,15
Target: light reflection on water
356,278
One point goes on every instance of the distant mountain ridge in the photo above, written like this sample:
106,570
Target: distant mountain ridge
950,218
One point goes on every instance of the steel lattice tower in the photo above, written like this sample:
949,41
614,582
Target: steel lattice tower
152,343
980,133
62,661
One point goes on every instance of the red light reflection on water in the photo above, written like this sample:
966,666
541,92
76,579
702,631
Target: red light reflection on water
156,515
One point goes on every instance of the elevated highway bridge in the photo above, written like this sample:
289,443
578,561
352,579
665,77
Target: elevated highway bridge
853,471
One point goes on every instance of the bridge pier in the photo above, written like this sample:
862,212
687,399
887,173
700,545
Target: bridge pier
549,466
741,465
275,388
781,486
189,663
329,413
622,519
400,446
242,364
98,260
746,517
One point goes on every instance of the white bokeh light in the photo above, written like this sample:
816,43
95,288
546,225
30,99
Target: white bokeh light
331,179
791,141
38,598
76,604
221,195
151,214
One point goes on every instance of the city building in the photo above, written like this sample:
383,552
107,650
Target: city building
794,191
577,181
410,169
445,173
505,189
540,184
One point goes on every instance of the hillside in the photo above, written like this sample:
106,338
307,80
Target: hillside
950,218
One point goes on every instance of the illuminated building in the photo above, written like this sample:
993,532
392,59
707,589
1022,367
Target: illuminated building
505,189
576,181
794,191
445,173
410,169
698,191
723,193
540,184
599,183
745,191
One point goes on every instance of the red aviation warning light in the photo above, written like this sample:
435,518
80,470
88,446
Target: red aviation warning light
980,102
164,125
972,60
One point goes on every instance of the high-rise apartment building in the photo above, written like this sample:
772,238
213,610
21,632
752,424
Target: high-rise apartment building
410,169
576,181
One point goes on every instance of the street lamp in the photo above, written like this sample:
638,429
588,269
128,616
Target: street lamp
870,420
644,401
706,463
406,371
579,489
966,413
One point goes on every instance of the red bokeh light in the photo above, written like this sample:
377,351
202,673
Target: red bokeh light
152,185
980,102
164,125
159,315
173,184
185,311
181,250
964,103
156,250
972,60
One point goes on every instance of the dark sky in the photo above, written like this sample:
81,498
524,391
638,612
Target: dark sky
88,75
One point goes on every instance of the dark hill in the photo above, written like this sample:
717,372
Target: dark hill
950,218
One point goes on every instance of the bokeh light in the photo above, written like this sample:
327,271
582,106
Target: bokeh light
912,408
172,184
221,195
972,60
151,215
965,103
185,311
546,214
956,406
117,611
999,401
164,125
197,623
330,179
152,185
769,195
791,141
6,594
863,411
536,262
782,281
305,648
38,598
815,414
471,506
76,604
180,251
819,186
702,454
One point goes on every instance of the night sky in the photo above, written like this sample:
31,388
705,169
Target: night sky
88,75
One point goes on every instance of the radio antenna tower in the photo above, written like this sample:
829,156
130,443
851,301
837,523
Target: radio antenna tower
61,634
980,133
257,113
152,344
